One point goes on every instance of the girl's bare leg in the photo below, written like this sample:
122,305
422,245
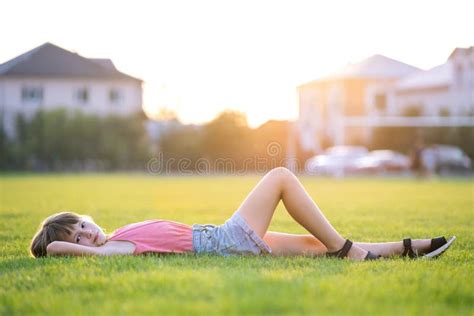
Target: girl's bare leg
281,184
283,244
395,248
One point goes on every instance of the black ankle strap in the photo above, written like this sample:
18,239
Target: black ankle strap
407,243
408,251
342,253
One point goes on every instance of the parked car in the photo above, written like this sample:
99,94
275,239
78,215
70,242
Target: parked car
381,161
441,158
335,161
346,151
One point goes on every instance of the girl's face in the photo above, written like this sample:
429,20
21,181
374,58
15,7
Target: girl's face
87,233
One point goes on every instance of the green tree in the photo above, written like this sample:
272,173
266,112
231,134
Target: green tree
61,139
227,137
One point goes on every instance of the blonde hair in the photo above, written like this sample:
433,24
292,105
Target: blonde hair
55,227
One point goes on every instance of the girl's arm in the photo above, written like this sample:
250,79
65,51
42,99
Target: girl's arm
64,248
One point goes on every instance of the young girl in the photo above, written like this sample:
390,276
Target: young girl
244,233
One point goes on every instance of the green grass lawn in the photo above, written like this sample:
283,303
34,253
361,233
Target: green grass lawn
361,209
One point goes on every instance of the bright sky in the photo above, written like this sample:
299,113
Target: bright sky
201,57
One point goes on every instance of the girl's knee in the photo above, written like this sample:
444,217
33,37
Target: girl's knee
280,172
279,178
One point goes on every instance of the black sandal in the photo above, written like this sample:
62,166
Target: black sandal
436,243
342,253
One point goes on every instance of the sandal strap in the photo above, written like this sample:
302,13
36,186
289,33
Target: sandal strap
408,251
345,249
436,243
341,253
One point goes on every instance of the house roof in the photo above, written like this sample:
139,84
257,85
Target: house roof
49,60
104,62
462,51
439,76
375,67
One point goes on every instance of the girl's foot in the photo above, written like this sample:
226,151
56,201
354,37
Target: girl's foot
351,251
357,253
438,247
419,247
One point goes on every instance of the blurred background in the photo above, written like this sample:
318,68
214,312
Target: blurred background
339,88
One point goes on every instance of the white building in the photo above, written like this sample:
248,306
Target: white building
379,91
326,104
445,90
49,77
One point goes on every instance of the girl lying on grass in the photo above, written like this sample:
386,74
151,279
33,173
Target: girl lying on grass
244,233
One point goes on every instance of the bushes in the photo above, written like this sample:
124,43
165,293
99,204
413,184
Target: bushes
226,145
62,140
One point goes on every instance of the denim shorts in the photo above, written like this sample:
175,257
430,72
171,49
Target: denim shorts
234,237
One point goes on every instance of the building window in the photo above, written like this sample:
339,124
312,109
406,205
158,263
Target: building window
31,94
82,95
115,96
459,75
381,102
413,110
444,112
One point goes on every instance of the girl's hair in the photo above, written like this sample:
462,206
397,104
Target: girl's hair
55,227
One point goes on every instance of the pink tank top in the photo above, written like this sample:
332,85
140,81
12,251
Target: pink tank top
157,236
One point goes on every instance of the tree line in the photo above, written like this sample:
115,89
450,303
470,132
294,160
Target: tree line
61,140
228,145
